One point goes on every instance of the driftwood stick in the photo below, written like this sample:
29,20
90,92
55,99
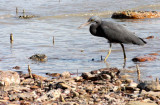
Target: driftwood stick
29,71
138,73
11,38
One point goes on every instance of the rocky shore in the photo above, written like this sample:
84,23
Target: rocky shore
98,87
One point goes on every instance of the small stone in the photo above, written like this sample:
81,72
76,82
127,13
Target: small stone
106,76
78,79
55,75
149,85
95,72
39,57
88,76
25,103
16,67
39,77
144,58
153,54
149,37
34,87
28,81
6,98
75,94
133,84
66,74
62,85
125,76
51,95
116,88
61,99
27,16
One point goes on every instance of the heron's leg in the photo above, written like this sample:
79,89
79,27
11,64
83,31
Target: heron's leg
108,52
123,51
124,55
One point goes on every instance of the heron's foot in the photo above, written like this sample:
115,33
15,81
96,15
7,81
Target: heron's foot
105,60
125,59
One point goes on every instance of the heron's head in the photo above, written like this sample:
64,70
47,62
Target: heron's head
93,19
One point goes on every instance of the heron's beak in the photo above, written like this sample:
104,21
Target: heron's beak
85,24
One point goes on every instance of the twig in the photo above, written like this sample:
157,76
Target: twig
11,38
138,73
17,10
157,81
53,40
23,12
29,71
77,72
41,84
101,57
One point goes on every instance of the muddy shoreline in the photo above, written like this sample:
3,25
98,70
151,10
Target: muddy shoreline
103,86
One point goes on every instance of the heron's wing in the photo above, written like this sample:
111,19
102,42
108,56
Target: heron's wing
118,34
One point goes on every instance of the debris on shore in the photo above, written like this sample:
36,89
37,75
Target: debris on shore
39,57
26,16
132,14
147,57
98,87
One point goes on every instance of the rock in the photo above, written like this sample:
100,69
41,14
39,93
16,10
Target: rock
66,74
151,93
27,16
39,57
13,97
28,81
16,67
88,76
37,77
132,14
149,37
125,76
34,87
110,70
51,95
95,72
144,58
55,75
25,103
148,86
78,79
74,93
116,88
62,85
140,103
8,78
103,74
133,85
61,99
23,96
153,54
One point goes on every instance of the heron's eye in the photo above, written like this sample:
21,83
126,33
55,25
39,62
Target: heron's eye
92,20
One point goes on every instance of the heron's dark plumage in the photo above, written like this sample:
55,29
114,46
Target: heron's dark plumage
114,32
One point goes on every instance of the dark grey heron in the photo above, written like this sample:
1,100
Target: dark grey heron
115,33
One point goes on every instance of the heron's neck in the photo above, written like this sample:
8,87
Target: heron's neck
93,28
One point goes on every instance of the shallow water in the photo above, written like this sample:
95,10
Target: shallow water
74,48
